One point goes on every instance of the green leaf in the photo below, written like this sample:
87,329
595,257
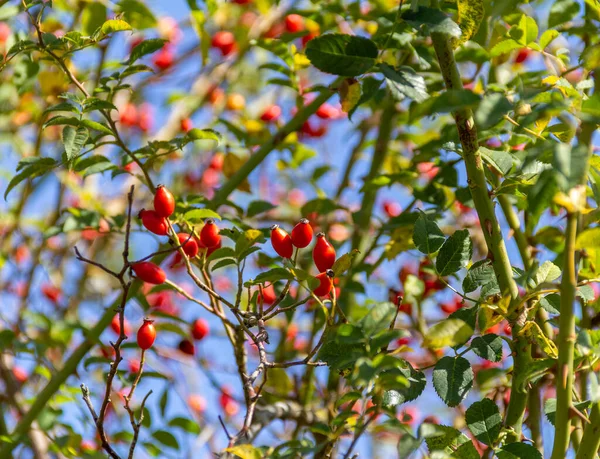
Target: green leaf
93,103
199,215
343,263
346,55
455,253
378,318
434,20
448,440
484,421
481,274
504,47
166,438
205,134
562,11
491,110
550,408
525,32
546,273
548,37
500,160
551,303
427,235
470,17
137,14
258,207
74,140
416,385
97,126
448,332
186,424
518,451
488,347
273,275
92,17
62,120
452,379
31,170
449,101
405,82
146,47
114,25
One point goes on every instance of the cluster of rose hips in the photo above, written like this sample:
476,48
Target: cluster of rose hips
157,222
301,237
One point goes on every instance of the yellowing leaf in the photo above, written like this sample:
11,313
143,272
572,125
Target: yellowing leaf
349,94
114,25
231,164
533,332
449,332
245,452
470,16
588,239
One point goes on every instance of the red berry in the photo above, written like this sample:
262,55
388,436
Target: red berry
306,38
302,234
392,209
327,112
164,58
200,329
210,250
19,374
134,366
242,2
116,325
325,283
190,246
186,125
224,41
271,113
149,272
187,347
210,234
154,222
128,115
522,55
281,242
294,23
146,334
51,292
323,253
164,202
268,295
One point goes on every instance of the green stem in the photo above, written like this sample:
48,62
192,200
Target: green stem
590,441
258,157
566,342
467,132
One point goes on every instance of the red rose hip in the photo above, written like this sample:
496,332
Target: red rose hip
189,244
323,253
164,202
281,242
146,334
294,23
187,347
302,234
325,283
209,236
153,222
149,272
200,329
